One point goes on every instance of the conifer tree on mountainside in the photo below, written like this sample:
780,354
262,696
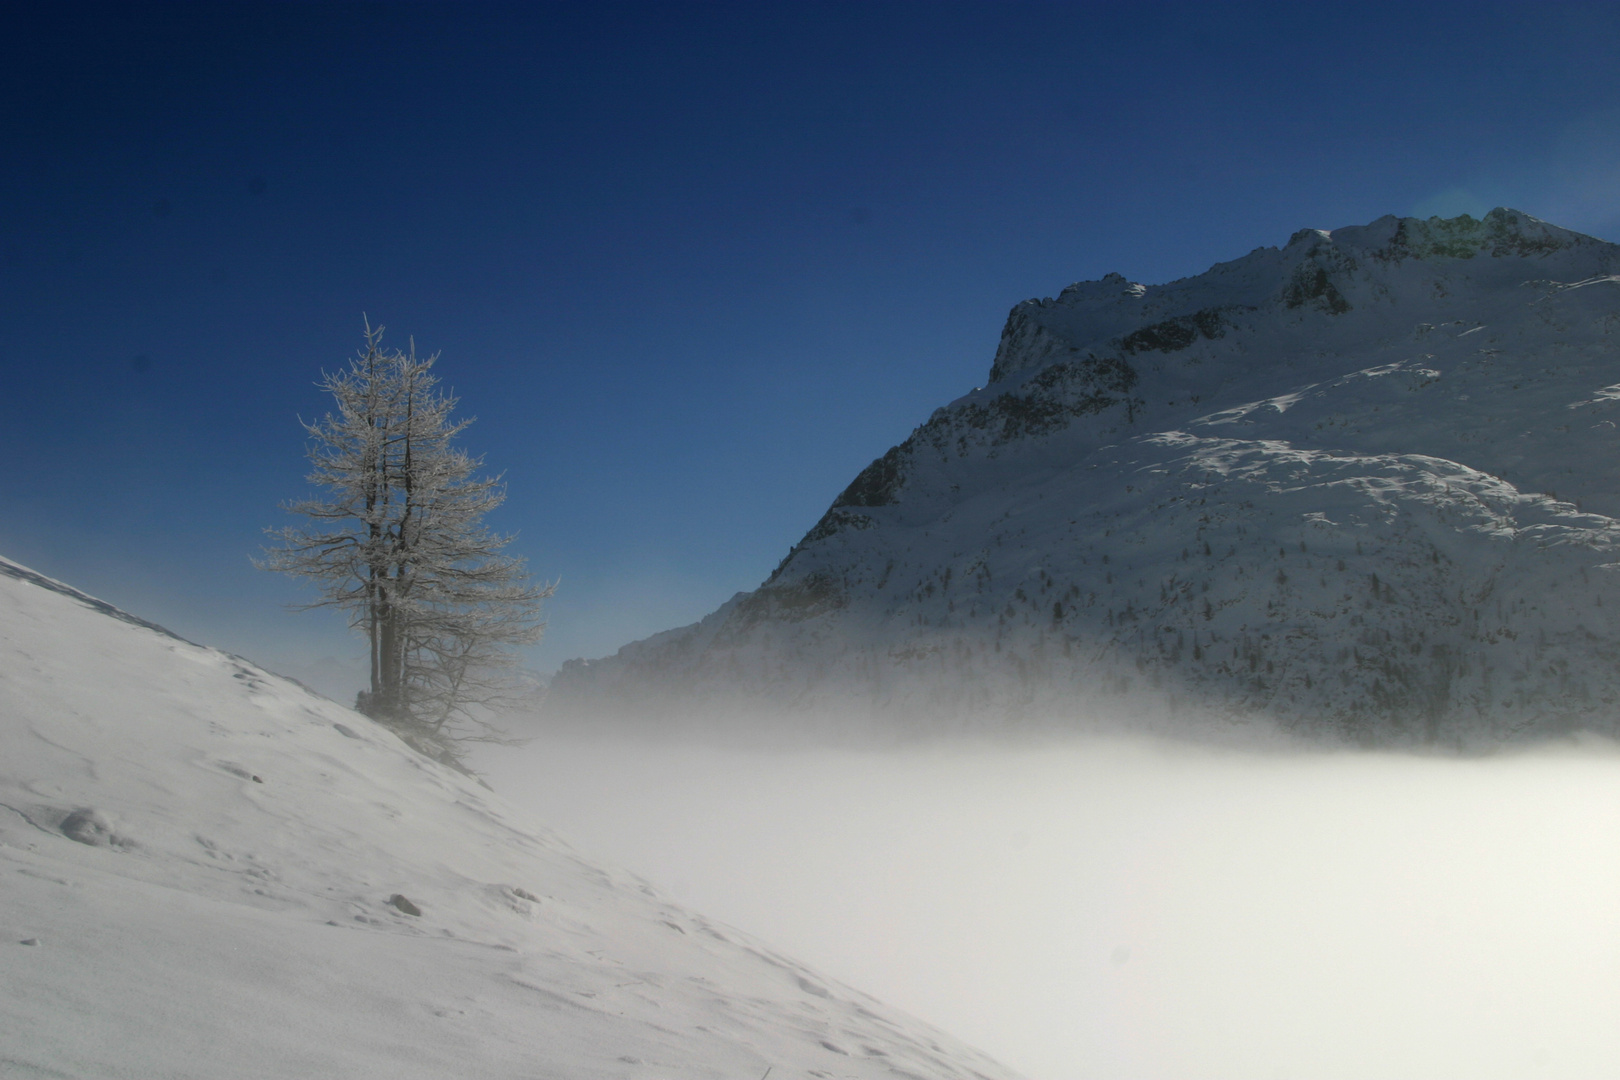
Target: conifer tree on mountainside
396,539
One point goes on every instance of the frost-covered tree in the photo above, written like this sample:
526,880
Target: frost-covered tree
396,539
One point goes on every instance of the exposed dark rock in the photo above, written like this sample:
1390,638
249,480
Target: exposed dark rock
1176,334
404,905
1313,283
879,483
87,826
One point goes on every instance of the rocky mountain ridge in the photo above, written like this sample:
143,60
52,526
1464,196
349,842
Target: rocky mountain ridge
1363,484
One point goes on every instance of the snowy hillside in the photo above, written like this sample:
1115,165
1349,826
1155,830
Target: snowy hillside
207,871
1366,483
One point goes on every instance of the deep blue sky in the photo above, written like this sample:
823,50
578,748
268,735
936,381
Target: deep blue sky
691,266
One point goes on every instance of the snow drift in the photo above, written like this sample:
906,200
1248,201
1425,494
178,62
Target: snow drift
1365,484
207,870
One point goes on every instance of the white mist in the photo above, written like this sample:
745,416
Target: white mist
1116,908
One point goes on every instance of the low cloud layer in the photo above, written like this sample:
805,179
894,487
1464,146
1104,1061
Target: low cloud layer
1117,907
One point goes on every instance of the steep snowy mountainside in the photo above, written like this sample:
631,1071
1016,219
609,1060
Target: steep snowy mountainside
1364,483
206,870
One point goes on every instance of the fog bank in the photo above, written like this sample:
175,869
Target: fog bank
1110,907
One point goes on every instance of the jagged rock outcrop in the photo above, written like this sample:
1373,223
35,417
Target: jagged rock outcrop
1364,484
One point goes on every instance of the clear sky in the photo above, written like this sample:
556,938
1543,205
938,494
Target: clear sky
690,266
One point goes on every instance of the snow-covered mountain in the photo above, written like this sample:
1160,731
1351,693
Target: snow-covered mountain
1365,484
208,871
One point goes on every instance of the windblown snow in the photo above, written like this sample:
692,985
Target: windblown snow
207,870
1365,484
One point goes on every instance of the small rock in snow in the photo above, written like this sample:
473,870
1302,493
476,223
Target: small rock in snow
811,988
87,826
29,941
399,901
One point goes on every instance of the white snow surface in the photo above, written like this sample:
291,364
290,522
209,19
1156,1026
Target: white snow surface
197,862
1365,484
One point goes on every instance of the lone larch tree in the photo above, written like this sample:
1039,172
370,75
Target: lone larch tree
396,539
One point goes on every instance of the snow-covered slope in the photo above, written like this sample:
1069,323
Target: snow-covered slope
198,862
1365,483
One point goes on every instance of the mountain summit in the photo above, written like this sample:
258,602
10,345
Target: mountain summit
1363,484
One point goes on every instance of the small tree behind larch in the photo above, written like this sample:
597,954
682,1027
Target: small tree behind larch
396,539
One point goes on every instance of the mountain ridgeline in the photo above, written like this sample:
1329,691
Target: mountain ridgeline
1365,485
